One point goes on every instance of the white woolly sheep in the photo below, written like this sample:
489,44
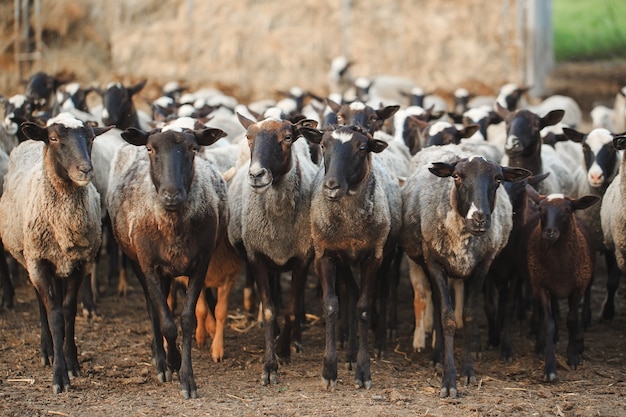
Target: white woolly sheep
50,222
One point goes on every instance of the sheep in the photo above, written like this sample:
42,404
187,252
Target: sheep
453,226
406,128
355,220
602,116
613,218
560,265
50,223
270,226
168,210
619,111
524,149
601,162
41,92
339,78
118,108
17,109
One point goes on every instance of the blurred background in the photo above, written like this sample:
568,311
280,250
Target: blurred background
252,48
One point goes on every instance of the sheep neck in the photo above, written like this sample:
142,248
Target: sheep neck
55,174
530,161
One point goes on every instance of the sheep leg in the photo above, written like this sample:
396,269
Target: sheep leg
51,292
392,323
260,270
202,316
575,342
347,311
8,292
508,303
47,353
158,351
471,334
613,277
327,272
369,272
548,321
188,386
248,292
420,283
221,310
490,293
445,328
70,301
292,329
383,294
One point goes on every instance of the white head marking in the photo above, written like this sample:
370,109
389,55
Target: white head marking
65,119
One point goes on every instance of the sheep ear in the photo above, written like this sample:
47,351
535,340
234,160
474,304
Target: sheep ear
34,131
311,134
386,112
515,174
333,106
137,87
573,134
536,179
456,117
552,118
135,136
533,194
376,145
584,202
245,122
619,143
441,169
468,130
500,110
208,136
97,131
306,123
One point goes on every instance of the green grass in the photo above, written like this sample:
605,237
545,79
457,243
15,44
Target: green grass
589,29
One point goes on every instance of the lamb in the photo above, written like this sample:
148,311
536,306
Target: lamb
168,210
613,218
560,265
453,227
50,223
270,226
355,220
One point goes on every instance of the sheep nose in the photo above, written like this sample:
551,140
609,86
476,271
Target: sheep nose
171,199
332,189
596,178
482,221
550,234
512,143
257,174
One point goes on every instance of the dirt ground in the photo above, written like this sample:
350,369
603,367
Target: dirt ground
118,377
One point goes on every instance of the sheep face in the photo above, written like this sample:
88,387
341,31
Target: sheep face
41,89
556,210
117,104
360,114
69,142
601,159
172,152
270,143
347,160
523,129
474,192
444,133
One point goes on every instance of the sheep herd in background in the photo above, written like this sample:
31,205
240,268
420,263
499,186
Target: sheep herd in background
491,196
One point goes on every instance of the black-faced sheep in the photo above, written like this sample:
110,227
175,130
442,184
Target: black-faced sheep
355,221
169,210
454,225
613,219
560,265
118,108
50,222
270,225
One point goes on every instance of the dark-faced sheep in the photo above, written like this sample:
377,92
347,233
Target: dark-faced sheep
50,222
561,260
270,200
456,219
355,221
169,210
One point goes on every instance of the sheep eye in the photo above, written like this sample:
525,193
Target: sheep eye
363,147
456,177
288,138
149,149
499,179
53,139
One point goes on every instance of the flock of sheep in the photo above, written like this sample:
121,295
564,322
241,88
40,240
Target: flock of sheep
490,197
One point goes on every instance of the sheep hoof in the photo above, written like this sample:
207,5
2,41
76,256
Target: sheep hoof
549,377
329,385
445,392
187,394
161,377
168,376
56,388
